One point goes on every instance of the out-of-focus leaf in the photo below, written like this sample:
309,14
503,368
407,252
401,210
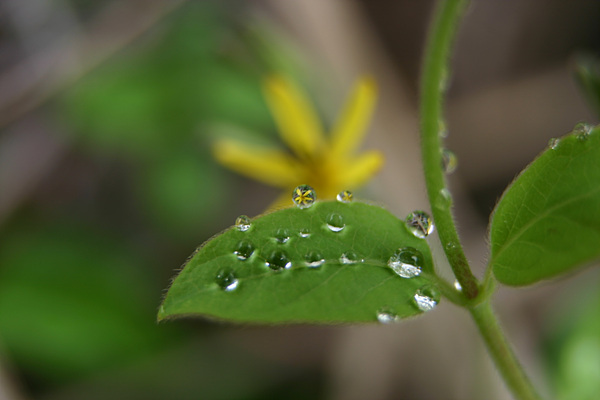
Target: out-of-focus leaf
71,303
297,265
548,220
588,76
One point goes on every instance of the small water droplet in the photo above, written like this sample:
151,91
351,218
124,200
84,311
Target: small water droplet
386,316
242,223
335,222
420,224
345,196
450,246
350,257
244,250
278,260
457,286
582,130
449,161
426,298
406,262
446,195
304,196
314,259
282,235
442,129
304,233
553,143
226,280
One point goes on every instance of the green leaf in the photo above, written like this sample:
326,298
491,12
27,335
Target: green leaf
331,293
548,220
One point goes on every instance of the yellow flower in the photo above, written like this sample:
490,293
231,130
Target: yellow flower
328,164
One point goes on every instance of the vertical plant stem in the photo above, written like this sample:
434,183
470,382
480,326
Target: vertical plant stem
435,69
435,72
501,352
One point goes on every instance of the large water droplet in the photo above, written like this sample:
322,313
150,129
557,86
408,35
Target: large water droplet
244,250
335,222
282,235
242,223
582,130
420,224
386,316
278,260
426,298
406,262
226,280
304,233
345,196
304,196
553,143
350,257
314,259
449,161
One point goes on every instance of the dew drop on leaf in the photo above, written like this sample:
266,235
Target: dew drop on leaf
442,129
386,316
242,223
314,259
446,196
335,222
553,143
282,235
350,257
304,233
226,280
582,130
406,262
278,260
345,196
426,298
420,224
244,250
449,161
304,196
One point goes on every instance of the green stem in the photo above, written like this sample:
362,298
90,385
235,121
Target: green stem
432,91
501,353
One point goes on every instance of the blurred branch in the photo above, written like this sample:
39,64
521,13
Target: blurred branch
118,24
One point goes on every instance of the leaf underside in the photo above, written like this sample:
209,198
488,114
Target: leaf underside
335,292
548,220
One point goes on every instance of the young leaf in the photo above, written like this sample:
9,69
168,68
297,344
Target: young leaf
548,220
323,264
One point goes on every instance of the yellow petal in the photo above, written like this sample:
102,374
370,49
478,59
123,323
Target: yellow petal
351,126
298,124
361,169
283,201
271,166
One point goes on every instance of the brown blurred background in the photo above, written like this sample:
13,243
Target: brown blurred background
107,110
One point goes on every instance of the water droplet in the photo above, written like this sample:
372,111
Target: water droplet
582,130
304,196
350,257
244,250
457,286
242,223
449,161
335,222
282,235
406,262
314,259
442,129
278,260
226,280
420,224
450,246
386,316
426,298
345,196
553,143
304,233
446,195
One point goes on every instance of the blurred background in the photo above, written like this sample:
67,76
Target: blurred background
107,184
